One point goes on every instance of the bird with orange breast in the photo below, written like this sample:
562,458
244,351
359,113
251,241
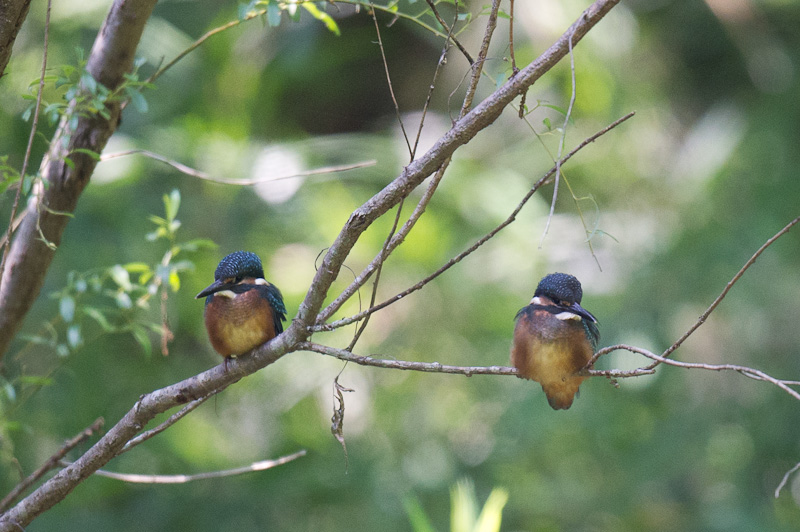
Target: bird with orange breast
554,338
243,310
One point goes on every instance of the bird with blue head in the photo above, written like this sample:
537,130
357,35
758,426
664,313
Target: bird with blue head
243,310
554,338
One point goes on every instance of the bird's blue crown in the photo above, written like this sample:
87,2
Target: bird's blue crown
239,264
560,287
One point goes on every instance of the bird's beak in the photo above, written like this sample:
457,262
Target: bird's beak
579,310
214,287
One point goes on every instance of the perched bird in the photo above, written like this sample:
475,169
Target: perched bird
242,309
554,338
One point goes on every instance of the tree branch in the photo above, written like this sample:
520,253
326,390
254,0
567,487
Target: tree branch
415,173
29,257
12,15
319,326
133,478
428,367
51,463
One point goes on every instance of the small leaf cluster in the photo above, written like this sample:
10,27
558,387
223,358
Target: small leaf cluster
116,298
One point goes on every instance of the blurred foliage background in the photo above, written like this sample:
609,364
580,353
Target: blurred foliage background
689,189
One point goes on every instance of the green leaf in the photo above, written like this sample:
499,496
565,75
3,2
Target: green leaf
62,350
492,513
322,17
121,276
143,339
93,154
98,316
174,281
66,307
35,380
197,244
172,203
137,99
123,300
74,338
273,14
136,267
416,514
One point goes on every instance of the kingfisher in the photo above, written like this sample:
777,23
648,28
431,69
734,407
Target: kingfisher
554,338
243,310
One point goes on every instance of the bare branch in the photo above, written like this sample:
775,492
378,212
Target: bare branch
477,66
428,367
389,81
346,321
449,30
730,284
51,463
174,418
239,182
785,479
183,479
752,373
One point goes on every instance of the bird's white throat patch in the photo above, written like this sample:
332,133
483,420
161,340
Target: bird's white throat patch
567,316
225,293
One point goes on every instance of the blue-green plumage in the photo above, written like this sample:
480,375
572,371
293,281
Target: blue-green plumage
242,309
554,338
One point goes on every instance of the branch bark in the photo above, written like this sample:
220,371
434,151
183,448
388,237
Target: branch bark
12,15
29,256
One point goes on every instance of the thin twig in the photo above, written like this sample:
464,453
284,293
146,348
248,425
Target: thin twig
394,239
381,259
174,418
449,31
477,66
397,239
730,284
752,373
514,68
785,479
238,182
51,463
429,367
479,243
183,479
27,159
561,144
389,79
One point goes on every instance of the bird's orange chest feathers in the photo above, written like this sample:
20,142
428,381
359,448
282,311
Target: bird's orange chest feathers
554,338
237,323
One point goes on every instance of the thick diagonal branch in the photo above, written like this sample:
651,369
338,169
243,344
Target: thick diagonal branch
415,173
